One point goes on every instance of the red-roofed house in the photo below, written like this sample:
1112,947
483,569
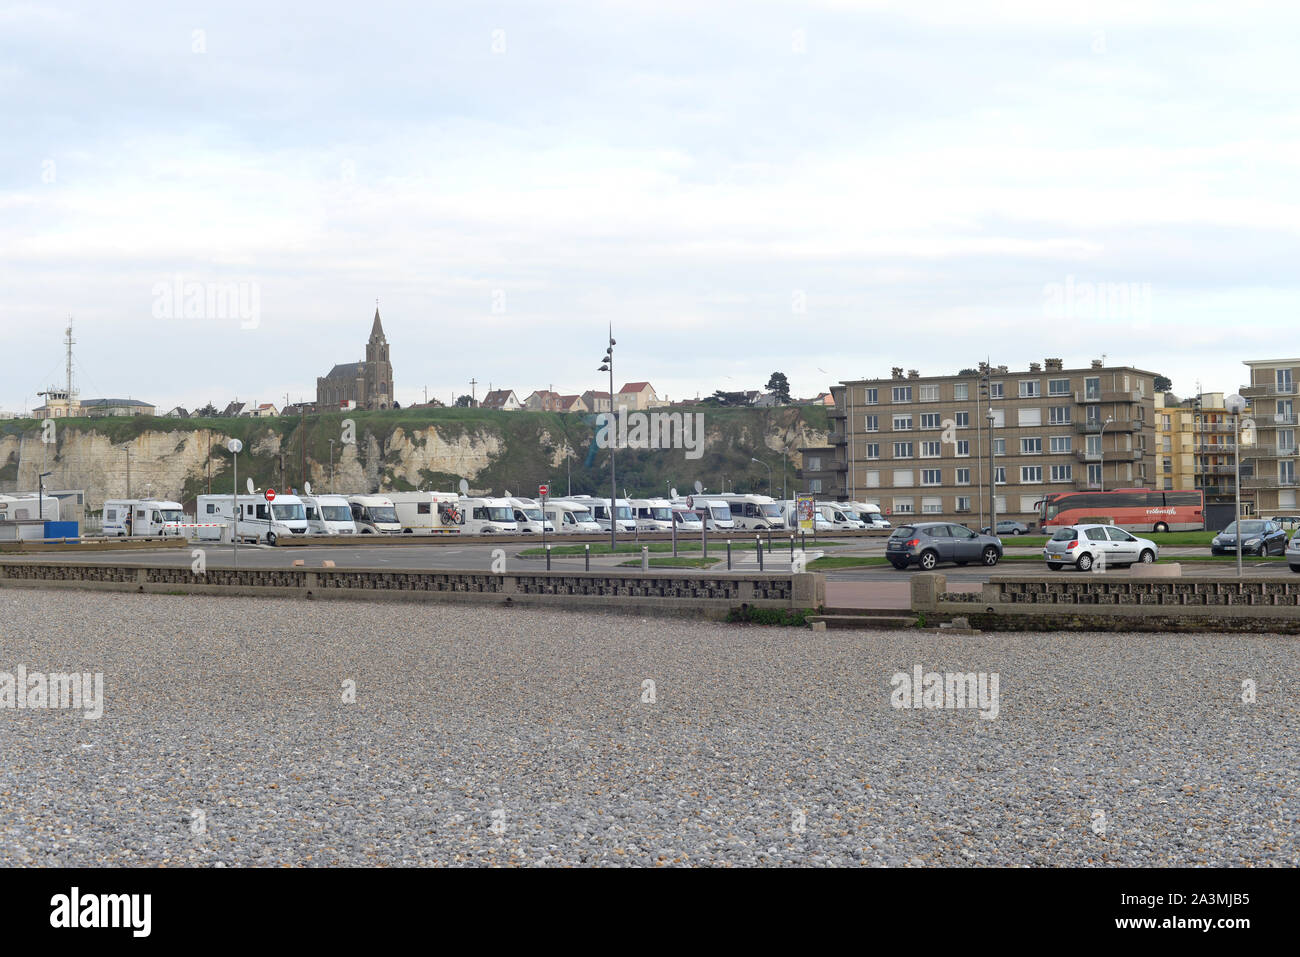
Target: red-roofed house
596,401
572,403
636,395
542,400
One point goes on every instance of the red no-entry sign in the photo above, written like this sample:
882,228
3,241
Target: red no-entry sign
269,494
543,489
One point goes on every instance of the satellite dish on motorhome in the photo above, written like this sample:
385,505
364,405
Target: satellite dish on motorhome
251,490
508,493
464,488
672,493
698,487
306,488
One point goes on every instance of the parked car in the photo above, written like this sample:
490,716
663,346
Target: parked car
1293,553
928,543
1084,546
1008,527
1287,521
1258,537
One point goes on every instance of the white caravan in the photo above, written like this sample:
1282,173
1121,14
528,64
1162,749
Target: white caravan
870,514
571,517
328,515
623,519
754,511
840,516
715,512
427,513
257,520
487,516
125,518
374,515
529,517
652,514
15,508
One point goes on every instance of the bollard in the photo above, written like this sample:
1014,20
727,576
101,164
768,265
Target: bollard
803,540
758,543
791,548
645,558
674,535
728,554
548,558
586,557
704,537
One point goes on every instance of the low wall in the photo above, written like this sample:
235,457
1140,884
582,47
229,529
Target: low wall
778,538
638,593
1113,603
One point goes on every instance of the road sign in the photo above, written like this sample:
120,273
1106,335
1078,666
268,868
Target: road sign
543,489
269,495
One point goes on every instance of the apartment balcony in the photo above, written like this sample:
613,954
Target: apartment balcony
1210,448
1107,395
1247,391
1111,455
837,438
1093,427
1268,451
1213,427
1216,470
1273,482
1274,420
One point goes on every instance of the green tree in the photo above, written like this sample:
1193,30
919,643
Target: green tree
1163,384
464,402
779,386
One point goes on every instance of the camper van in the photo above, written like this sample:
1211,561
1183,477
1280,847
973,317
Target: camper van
374,515
571,517
754,511
688,521
713,510
870,514
258,520
840,516
652,514
529,517
427,513
15,508
623,519
126,518
328,515
487,516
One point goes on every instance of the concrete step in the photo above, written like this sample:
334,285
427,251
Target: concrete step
899,619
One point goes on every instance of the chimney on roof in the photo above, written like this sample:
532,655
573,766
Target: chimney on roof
896,372
913,374
1054,365
1035,367
1002,370
1096,363
984,367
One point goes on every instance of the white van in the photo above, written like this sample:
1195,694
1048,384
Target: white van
427,513
870,514
622,514
840,516
715,511
125,518
754,511
570,517
374,515
328,515
487,516
257,521
652,514
529,517
688,521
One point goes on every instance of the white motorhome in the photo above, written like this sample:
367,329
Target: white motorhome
652,514
328,515
754,511
623,519
529,517
840,516
715,512
688,521
258,520
870,514
427,513
16,508
374,515
571,517
127,518
487,516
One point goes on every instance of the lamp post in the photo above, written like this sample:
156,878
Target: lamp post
769,473
1102,446
607,365
40,497
332,441
993,485
235,446
1235,405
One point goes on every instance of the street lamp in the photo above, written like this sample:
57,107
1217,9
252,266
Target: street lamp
40,497
1101,444
1235,405
769,472
332,441
993,485
607,365
235,446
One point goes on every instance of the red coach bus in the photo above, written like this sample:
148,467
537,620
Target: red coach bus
1133,509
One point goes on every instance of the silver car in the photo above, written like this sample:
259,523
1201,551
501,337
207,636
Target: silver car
928,543
1293,552
1084,546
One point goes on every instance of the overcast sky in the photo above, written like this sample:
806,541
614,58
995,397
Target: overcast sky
828,189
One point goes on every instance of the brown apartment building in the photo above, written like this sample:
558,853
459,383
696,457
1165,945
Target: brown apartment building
1268,454
919,445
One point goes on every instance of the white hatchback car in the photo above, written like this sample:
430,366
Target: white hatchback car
1084,546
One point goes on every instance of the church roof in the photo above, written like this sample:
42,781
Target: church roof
349,370
377,330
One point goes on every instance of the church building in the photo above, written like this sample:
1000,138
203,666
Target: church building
369,384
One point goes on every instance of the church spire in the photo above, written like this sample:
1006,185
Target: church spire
377,330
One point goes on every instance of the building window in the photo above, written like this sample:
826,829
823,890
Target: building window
902,393
963,477
931,476
962,420
873,450
870,396
963,503
903,478
1062,473
932,506
903,506
996,390
902,423
1031,446
814,463
1058,414
1094,476
928,393
873,479
1030,388
930,450
1061,443
963,448
961,391
1058,386
1029,417
871,423
931,420
814,485
999,446
1000,475
1092,387
1031,474
902,450
999,418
